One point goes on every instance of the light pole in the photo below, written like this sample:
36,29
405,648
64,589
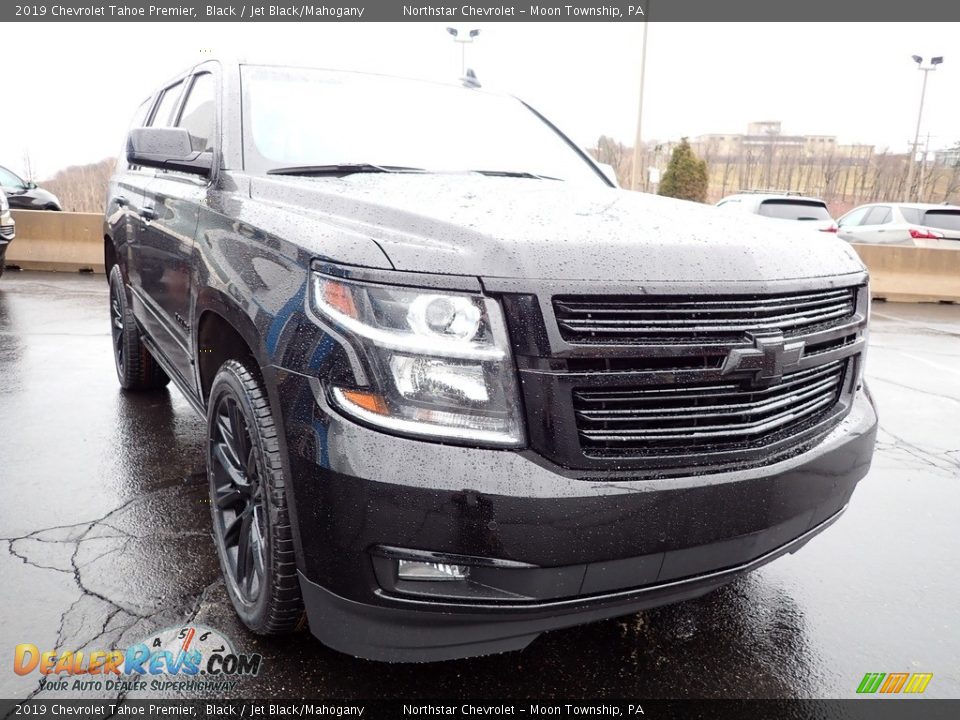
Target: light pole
464,41
908,194
635,170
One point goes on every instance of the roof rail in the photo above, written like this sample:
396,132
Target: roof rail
769,191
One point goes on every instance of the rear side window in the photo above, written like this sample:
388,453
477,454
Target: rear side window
794,209
164,117
912,215
878,215
199,113
942,219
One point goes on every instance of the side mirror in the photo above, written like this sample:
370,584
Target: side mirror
609,173
168,149
30,185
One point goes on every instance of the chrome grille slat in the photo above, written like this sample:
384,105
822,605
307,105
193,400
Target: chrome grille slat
728,410
710,416
627,320
661,394
693,432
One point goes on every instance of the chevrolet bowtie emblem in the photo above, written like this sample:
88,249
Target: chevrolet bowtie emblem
766,356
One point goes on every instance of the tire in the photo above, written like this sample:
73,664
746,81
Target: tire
136,368
248,503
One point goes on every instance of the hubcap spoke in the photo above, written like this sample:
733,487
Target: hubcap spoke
224,457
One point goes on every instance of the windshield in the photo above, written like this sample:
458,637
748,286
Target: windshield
302,117
794,210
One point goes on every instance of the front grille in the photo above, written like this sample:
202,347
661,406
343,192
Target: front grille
663,420
684,318
7,231
685,384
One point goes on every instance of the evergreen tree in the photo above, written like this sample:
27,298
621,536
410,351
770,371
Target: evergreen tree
686,175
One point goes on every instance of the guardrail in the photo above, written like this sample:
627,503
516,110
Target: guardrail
74,241
57,241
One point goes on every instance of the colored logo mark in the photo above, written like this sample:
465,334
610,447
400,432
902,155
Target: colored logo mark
891,683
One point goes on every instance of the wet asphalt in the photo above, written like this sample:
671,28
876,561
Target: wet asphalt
104,538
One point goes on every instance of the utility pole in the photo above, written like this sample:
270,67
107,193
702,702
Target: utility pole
635,170
912,160
923,169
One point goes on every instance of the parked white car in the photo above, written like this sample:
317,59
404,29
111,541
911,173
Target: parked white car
782,206
916,224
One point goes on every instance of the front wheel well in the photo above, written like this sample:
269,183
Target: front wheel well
217,342
109,255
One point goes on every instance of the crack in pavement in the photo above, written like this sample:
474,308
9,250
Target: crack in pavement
97,615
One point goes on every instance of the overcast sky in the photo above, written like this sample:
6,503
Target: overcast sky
70,88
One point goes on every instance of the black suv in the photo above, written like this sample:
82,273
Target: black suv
459,389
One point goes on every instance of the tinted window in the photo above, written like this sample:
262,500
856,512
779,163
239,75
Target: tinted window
8,179
298,117
912,215
942,219
794,210
199,113
877,216
164,117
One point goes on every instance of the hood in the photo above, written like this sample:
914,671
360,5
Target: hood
497,227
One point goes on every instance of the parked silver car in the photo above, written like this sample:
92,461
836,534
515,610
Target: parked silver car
782,206
912,224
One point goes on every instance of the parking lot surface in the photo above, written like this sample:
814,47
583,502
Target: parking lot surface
104,538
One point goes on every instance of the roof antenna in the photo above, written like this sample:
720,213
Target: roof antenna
470,79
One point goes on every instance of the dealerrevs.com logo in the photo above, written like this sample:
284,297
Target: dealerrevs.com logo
191,658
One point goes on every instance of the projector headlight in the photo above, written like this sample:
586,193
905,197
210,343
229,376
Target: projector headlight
438,363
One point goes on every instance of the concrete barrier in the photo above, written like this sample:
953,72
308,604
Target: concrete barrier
57,241
74,241
912,274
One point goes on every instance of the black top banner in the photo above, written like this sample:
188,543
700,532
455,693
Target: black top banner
496,11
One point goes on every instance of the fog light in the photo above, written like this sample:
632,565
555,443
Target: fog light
413,570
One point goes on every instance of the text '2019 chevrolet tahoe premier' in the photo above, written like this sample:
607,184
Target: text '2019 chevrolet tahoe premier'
459,389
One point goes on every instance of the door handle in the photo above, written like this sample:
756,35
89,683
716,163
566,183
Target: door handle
148,214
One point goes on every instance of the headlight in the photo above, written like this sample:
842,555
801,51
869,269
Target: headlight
4,205
438,363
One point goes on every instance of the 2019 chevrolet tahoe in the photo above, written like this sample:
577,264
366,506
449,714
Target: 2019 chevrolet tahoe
459,389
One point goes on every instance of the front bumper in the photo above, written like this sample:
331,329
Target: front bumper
594,544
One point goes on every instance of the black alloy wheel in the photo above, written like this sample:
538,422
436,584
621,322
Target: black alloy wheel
248,502
136,368
237,495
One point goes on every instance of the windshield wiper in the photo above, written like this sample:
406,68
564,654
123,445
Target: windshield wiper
340,169
514,174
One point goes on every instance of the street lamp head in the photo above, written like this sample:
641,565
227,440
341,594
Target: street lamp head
452,31
474,33
937,60
916,58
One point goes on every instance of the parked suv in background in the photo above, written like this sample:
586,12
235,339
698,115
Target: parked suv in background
460,390
782,206
7,228
25,194
916,224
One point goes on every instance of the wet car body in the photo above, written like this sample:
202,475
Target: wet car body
8,228
561,529
26,195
